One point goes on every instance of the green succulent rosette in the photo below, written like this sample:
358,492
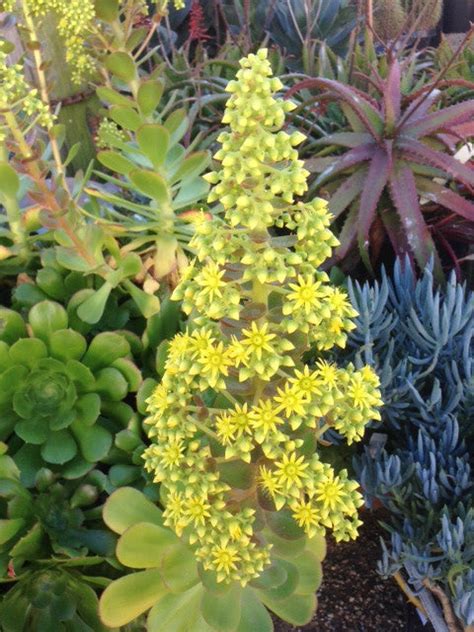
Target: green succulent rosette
61,399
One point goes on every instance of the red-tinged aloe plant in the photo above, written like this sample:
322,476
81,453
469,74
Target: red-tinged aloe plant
397,157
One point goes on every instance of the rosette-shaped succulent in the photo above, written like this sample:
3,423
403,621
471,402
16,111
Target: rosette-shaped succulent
60,397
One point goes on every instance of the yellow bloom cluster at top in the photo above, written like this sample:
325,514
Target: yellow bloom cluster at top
235,393
19,99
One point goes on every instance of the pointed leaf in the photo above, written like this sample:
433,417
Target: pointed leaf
377,178
440,120
350,188
352,158
392,96
447,198
405,198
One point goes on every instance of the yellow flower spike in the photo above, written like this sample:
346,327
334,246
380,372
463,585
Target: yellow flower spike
235,393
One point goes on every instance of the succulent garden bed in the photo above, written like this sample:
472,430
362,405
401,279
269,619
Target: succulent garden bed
236,317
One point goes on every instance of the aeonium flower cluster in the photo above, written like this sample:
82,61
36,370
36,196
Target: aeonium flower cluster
235,393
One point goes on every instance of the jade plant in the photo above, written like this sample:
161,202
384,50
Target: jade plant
237,420
61,399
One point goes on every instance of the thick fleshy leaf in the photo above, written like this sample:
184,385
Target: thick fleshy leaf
222,610
392,96
154,141
92,309
130,596
32,431
12,325
254,615
348,191
115,162
121,65
345,139
8,528
358,102
130,372
125,116
309,573
111,384
177,123
149,96
179,613
192,166
283,525
128,506
442,119
446,197
144,545
67,344
59,448
94,441
405,198
179,568
396,233
151,184
352,158
191,191
104,349
422,153
47,317
27,351
9,181
297,609
377,178
288,587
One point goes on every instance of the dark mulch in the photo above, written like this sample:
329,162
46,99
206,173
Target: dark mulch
353,597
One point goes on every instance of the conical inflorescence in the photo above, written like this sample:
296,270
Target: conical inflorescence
237,420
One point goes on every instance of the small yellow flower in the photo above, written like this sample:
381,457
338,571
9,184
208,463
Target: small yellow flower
306,514
211,282
306,293
291,400
268,481
327,373
330,492
197,510
257,339
291,471
265,419
225,558
215,362
306,382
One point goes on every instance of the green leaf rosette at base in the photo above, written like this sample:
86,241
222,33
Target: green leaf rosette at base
61,399
51,599
180,596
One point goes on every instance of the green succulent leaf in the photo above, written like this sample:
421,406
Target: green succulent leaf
88,409
149,96
309,573
27,351
104,349
144,545
297,609
67,344
122,66
222,610
12,326
125,116
151,184
127,507
59,448
179,613
9,181
115,162
92,309
94,441
254,615
153,140
47,317
8,528
130,596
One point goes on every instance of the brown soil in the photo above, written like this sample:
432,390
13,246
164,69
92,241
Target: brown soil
353,596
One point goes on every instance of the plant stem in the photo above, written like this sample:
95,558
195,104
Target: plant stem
43,85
